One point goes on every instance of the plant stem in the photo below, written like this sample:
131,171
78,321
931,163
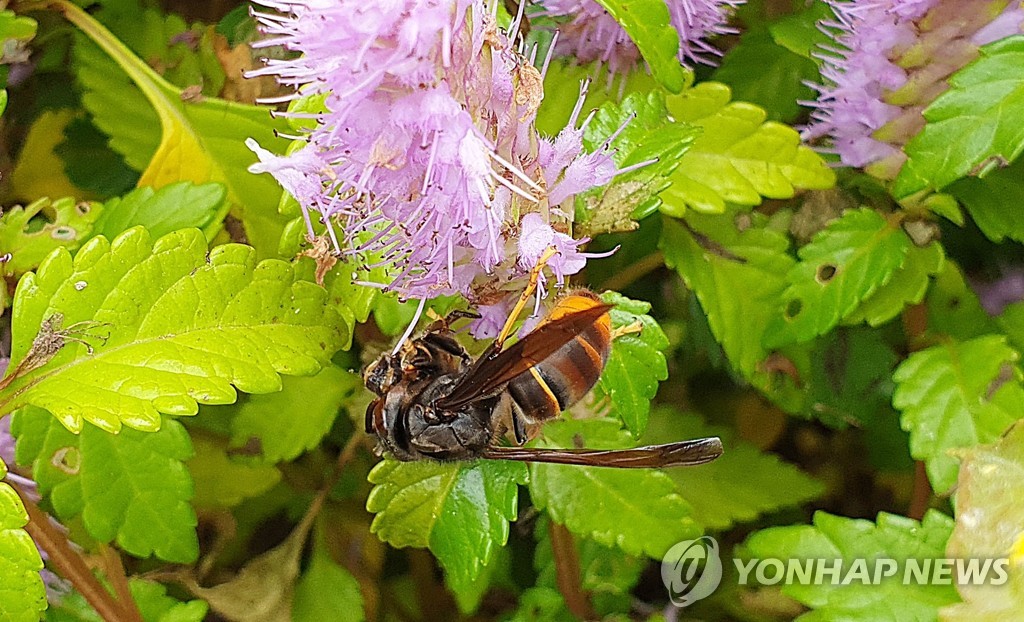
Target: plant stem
567,572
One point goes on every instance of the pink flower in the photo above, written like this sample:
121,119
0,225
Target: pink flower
867,71
426,157
591,34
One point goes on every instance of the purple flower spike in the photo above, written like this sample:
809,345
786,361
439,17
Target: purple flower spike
427,158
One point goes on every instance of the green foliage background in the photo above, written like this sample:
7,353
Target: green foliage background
186,395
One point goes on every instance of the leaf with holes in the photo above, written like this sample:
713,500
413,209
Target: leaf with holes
636,363
849,541
22,596
739,158
716,261
989,503
67,224
638,510
197,141
647,24
132,488
168,326
175,206
955,395
460,510
973,124
954,309
844,264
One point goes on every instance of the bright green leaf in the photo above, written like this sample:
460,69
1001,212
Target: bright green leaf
175,206
954,395
460,510
844,264
326,591
198,141
799,32
295,419
906,287
647,24
636,363
33,232
13,26
738,277
974,123
990,512
996,203
221,482
739,157
637,510
954,309
740,485
838,538
170,325
22,596
156,606
131,487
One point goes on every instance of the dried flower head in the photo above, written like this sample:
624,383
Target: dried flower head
891,59
426,158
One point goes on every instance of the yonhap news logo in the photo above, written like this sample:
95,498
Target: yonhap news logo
692,570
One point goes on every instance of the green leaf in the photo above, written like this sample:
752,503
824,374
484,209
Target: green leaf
131,487
198,141
973,124
954,309
767,74
799,32
739,157
181,326
844,264
718,262
996,203
295,419
326,591
156,606
954,395
739,486
90,164
990,510
13,26
31,233
647,24
907,286
637,510
649,135
22,596
835,537
221,482
460,510
541,604
636,363
175,206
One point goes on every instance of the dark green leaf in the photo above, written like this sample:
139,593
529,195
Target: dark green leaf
996,203
800,33
953,307
326,591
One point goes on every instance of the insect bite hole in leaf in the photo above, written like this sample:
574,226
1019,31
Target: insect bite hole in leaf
825,273
793,308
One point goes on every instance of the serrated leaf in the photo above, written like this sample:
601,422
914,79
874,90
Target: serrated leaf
835,537
738,277
326,590
221,482
844,264
637,510
740,485
156,605
131,487
22,595
39,170
955,395
763,72
636,363
907,286
973,123
460,510
181,326
295,419
200,141
739,157
64,224
647,24
175,206
989,504
995,202
90,163
954,309
648,135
